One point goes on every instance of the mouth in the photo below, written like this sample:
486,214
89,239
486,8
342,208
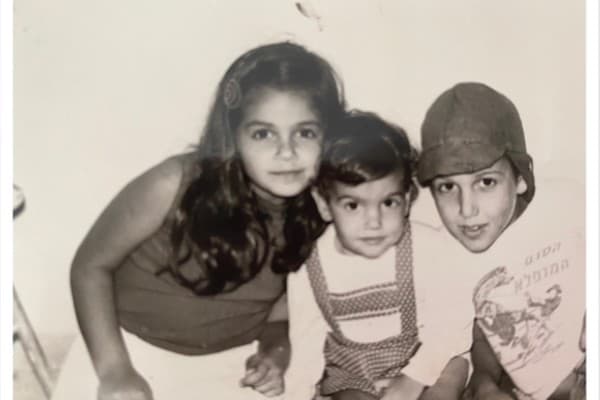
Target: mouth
373,241
287,173
473,231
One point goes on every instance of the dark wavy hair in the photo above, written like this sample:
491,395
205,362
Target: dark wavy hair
218,222
363,147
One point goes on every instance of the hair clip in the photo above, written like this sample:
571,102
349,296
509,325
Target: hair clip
232,94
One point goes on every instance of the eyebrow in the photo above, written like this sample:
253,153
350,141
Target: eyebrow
478,174
252,123
310,122
490,171
343,197
350,197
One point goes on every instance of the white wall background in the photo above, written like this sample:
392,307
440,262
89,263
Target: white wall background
103,90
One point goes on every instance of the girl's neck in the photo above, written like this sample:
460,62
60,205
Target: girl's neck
268,202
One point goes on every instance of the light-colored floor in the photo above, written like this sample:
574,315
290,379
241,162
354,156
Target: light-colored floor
25,384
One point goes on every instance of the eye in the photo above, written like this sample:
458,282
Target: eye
308,133
445,187
261,134
392,202
487,183
350,205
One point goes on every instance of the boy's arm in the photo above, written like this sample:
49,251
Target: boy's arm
573,386
134,214
451,383
308,332
487,371
403,387
449,386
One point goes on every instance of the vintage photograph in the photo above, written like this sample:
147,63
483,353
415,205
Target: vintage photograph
311,199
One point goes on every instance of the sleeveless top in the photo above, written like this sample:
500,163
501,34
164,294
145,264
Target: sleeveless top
357,365
160,311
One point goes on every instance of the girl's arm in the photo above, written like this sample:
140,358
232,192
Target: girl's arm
265,368
133,215
279,312
274,341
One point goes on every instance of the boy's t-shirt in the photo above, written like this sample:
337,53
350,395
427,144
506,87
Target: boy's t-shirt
527,291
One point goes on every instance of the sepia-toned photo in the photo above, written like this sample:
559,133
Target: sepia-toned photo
312,199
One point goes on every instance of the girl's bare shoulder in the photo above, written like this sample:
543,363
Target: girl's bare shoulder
134,214
161,183
146,200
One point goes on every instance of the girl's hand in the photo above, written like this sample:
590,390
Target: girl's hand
264,374
265,369
124,385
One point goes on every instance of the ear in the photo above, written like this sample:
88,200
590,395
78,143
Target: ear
408,200
322,204
521,185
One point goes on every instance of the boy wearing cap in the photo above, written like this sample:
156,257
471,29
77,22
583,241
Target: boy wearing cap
523,277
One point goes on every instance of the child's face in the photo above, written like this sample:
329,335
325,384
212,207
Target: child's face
279,141
477,207
369,218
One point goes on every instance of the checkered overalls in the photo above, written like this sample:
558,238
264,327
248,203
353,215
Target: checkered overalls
354,365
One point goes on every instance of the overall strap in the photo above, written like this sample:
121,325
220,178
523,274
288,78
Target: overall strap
319,287
406,287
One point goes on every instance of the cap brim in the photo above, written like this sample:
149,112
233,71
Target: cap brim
449,159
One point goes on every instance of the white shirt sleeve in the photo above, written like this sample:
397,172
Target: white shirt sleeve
444,309
308,330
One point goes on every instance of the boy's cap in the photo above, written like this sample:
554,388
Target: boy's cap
468,128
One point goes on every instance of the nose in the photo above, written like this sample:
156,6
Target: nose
286,148
468,204
373,218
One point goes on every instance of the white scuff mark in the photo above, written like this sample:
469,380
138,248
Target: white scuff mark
307,9
284,37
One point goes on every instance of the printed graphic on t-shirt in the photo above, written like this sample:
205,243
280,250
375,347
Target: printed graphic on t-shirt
516,307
